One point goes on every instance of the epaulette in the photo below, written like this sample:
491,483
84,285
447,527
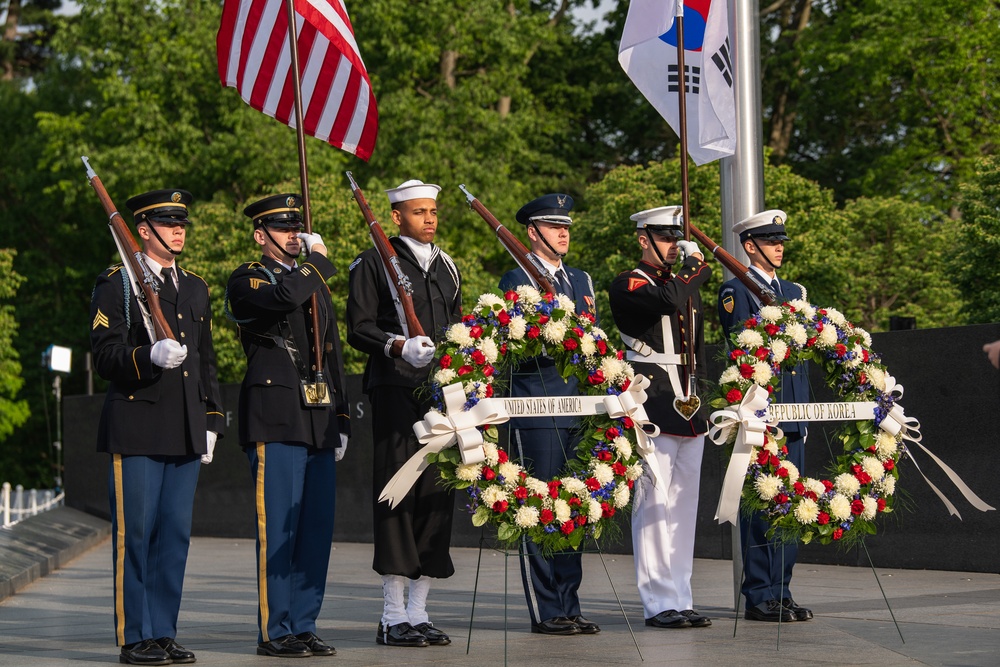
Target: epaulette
186,271
114,268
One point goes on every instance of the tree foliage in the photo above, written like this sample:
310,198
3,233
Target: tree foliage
975,263
14,411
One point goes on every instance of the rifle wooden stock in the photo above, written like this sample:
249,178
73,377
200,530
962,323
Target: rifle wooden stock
131,257
402,287
511,243
766,296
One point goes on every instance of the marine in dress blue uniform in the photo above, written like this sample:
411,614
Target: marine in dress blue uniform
293,425
162,413
545,445
767,570
412,540
649,304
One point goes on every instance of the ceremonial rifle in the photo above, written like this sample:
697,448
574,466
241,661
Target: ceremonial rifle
399,282
745,275
528,262
147,288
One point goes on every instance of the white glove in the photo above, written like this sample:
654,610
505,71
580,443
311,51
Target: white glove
689,248
211,437
168,353
418,351
339,452
310,241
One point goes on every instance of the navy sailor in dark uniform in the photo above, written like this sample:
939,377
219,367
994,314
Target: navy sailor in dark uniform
161,416
649,304
767,571
545,444
293,425
413,540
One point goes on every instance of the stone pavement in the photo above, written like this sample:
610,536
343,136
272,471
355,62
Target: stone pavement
946,618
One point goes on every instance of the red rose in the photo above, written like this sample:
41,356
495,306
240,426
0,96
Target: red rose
611,433
772,329
863,478
821,311
871,449
784,450
761,353
788,353
468,318
533,332
549,297
503,318
799,487
763,457
511,296
523,475
476,331
838,533
488,474
774,462
567,528
478,357
543,319
625,385
489,391
500,506
574,502
607,510
746,371
750,324
781,499
488,370
736,354
554,488
630,483
734,395
841,349
593,484
521,493
810,342
889,464
503,349
828,485
862,378
546,517
581,519
602,347
823,518
604,455
465,370
597,377
620,354
570,344
502,456
578,331
619,468
770,389
864,356
819,327
781,472
445,361
857,506
627,422
811,495
880,504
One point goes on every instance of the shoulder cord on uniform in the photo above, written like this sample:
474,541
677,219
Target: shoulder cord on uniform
128,298
225,303
453,270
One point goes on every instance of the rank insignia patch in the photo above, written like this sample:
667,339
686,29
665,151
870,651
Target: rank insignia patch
100,320
304,271
636,283
256,282
727,303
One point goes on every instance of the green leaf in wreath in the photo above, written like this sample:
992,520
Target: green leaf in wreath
507,532
481,516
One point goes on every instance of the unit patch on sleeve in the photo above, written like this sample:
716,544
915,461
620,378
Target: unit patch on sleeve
636,283
727,303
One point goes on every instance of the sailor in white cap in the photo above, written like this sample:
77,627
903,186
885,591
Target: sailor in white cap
411,541
767,572
649,304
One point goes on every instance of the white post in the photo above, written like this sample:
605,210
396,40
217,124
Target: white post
18,502
5,495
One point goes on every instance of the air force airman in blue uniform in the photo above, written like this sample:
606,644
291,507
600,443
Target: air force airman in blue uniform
162,414
768,565
545,444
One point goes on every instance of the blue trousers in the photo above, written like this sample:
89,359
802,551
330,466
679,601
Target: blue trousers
295,495
151,502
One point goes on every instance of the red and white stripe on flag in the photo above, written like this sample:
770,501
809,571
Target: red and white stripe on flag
338,105
648,54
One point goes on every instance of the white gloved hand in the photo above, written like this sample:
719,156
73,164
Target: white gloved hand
310,241
690,249
168,353
339,452
211,437
418,351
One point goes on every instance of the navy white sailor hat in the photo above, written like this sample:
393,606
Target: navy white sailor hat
664,220
277,211
553,208
167,206
768,225
413,189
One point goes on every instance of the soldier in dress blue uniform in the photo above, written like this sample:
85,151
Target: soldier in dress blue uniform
649,304
293,424
545,444
768,566
161,417
412,540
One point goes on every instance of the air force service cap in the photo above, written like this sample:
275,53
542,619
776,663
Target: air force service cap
552,208
413,189
277,211
665,220
768,225
166,206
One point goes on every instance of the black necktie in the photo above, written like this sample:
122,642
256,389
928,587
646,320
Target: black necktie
775,286
168,290
562,283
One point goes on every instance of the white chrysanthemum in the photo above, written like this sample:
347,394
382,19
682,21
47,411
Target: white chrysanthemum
797,333
594,511
622,495
865,336
888,485
554,331
779,349
762,373
468,472
803,307
613,370
634,471
528,295
561,509
493,494
445,376
770,313
623,446
806,510
793,471
567,304
489,349
526,516
458,333
517,327
536,486
885,445
598,333
749,339
828,336
873,467
510,472
771,445
602,472
846,483
856,358
477,389
876,376
492,454
587,345
768,486
574,486
491,302
731,374
836,317
814,485
840,507
871,508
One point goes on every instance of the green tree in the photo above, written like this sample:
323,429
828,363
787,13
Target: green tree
24,42
13,411
975,263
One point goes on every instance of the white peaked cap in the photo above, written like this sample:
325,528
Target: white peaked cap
766,223
664,216
413,189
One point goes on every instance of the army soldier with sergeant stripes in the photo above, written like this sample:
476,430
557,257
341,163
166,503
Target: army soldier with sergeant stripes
293,426
161,418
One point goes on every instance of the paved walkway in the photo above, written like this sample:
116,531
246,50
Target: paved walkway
946,618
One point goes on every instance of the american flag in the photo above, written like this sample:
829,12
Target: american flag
338,105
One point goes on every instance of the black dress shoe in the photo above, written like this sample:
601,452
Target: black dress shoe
770,611
314,644
587,627
560,625
670,618
401,634
801,613
695,619
177,653
434,636
146,652
284,647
